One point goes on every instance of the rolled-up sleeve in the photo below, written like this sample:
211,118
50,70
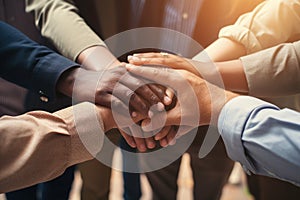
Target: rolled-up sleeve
263,138
272,22
277,74
59,21
38,146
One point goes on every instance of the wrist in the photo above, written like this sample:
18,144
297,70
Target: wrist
66,81
233,76
106,118
229,96
97,58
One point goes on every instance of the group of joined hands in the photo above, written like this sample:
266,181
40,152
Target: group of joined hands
155,97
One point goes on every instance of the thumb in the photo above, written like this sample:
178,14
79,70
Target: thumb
160,120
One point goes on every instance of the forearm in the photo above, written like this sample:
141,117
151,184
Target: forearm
54,141
227,74
60,22
248,127
224,49
233,76
28,64
97,58
272,72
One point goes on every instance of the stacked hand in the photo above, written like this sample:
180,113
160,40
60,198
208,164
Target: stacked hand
115,88
139,102
199,102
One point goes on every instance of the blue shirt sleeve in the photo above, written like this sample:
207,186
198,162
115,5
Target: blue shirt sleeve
262,137
28,64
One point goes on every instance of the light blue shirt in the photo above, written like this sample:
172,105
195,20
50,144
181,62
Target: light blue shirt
262,137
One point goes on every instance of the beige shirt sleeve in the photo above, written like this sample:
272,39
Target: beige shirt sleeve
277,74
271,23
59,21
39,146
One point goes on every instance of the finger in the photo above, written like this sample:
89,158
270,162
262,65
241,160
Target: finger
147,54
139,58
170,137
149,61
169,96
130,98
163,142
164,76
150,142
160,120
123,118
162,133
155,59
159,90
129,139
167,60
141,88
138,138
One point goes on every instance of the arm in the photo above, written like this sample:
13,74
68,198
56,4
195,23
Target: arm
271,23
273,72
252,130
61,23
29,64
262,137
49,143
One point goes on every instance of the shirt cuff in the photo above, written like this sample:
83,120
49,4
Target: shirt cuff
86,129
47,73
232,121
243,36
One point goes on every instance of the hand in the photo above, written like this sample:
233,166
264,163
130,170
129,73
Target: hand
140,139
111,88
95,58
229,74
195,96
166,136
166,60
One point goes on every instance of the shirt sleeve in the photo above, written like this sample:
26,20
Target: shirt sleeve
59,20
263,138
38,146
28,64
277,74
271,23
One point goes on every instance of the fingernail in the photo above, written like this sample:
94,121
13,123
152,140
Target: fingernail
156,137
151,145
129,57
142,148
134,58
133,145
163,143
167,100
129,66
